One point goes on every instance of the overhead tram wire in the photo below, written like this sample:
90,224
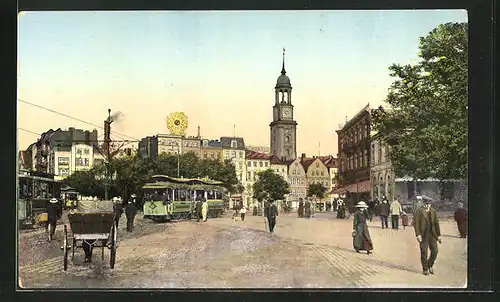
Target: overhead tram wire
29,131
120,135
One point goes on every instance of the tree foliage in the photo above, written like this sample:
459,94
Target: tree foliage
270,186
132,172
316,189
425,122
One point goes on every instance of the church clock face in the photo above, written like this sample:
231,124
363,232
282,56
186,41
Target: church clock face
287,112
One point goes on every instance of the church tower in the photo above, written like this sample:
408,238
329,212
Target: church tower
283,127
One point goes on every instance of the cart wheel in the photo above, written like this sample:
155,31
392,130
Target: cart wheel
112,257
65,248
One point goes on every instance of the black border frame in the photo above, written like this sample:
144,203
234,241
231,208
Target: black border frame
481,146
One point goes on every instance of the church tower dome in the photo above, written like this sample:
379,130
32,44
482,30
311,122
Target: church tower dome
283,127
283,80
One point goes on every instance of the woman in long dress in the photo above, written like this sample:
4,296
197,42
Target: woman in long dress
204,210
361,235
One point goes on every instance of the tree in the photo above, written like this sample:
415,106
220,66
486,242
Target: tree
317,189
132,172
270,186
425,124
85,183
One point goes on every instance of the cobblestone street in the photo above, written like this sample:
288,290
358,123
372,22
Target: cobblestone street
223,253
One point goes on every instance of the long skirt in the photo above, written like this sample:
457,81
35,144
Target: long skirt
362,241
462,228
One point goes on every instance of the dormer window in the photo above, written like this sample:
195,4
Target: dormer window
234,144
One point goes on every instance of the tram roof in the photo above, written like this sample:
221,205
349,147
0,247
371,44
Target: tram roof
188,181
39,178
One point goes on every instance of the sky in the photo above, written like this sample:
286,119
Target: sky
219,68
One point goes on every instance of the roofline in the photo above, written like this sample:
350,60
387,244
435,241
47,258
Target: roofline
355,118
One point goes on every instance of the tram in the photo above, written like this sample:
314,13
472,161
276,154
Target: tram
70,197
166,198
35,190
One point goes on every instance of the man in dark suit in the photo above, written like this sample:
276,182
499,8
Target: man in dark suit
198,205
428,234
271,213
54,212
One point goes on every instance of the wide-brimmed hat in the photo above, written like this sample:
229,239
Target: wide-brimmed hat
361,204
53,200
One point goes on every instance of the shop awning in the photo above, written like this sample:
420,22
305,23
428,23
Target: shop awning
360,187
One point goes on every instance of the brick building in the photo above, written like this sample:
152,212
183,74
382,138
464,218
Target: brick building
354,157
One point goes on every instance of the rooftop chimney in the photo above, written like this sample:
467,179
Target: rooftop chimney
303,155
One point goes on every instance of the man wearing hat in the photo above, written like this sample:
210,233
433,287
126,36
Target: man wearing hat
130,211
54,212
428,234
361,235
118,209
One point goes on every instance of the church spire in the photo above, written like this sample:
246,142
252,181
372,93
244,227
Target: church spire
283,68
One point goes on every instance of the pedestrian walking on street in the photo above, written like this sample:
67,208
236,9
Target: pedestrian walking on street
130,212
384,213
396,210
54,212
361,235
271,212
461,216
198,206
307,208
340,209
428,234
118,209
300,211
243,211
204,209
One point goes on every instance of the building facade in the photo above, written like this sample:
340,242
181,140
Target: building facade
332,164
381,172
261,149
62,152
297,180
152,146
148,147
233,148
279,167
211,149
316,171
283,127
255,162
354,157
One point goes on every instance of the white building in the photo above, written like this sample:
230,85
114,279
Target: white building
255,162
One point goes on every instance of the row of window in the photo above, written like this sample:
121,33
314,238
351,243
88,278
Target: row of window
82,151
356,134
355,161
297,192
260,163
233,154
79,161
211,155
381,154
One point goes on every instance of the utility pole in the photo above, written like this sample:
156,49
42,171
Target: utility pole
178,161
107,141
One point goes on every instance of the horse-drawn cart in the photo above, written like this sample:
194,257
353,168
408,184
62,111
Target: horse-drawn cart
96,229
